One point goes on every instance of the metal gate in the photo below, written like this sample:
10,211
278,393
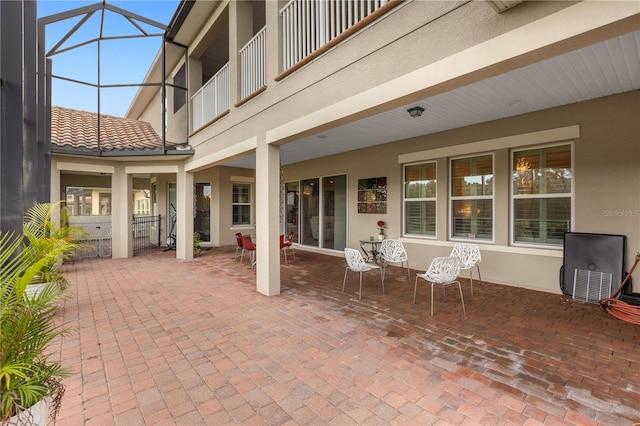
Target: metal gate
97,242
146,233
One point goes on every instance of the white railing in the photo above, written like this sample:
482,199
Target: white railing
252,64
310,24
211,100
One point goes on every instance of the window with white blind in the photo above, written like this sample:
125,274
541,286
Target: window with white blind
472,197
542,185
420,199
241,203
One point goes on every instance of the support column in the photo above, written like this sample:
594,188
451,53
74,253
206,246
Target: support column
268,218
216,240
12,190
274,40
240,32
55,192
121,214
185,214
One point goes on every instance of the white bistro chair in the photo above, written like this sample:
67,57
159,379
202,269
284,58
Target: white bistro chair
356,263
392,251
469,255
442,271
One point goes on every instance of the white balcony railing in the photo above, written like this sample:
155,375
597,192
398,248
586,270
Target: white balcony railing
252,64
211,100
310,24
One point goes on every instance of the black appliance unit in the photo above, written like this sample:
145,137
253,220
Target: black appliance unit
593,265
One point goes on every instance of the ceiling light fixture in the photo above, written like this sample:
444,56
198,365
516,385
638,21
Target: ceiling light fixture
415,111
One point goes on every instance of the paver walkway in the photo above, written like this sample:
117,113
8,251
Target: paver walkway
160,341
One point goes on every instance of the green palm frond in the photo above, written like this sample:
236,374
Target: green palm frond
37,220
27,327
47,237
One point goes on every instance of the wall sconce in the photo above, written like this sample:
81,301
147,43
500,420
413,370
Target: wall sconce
415,111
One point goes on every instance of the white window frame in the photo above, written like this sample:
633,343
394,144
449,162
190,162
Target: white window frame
491,197
250,203
513,197
420,199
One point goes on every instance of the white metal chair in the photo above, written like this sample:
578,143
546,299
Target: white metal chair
356,263
392,251
469,255
442,271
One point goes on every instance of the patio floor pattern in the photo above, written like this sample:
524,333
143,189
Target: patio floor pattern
160,341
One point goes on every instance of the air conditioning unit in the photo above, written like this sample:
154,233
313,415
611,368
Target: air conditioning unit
593,265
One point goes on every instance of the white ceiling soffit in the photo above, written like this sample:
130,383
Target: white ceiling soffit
502,5
199,14
602,69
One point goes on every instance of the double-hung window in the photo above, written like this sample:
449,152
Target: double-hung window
472,197
241,202
541,194
420,199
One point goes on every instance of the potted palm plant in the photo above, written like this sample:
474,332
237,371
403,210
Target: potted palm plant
29,381
42,236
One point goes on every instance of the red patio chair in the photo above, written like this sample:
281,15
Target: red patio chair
239,245
248,245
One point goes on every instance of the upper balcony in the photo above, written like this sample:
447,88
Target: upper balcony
309,28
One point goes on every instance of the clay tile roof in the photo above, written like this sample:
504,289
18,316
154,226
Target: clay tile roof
79,129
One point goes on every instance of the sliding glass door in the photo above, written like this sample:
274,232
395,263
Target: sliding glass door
310,213
335,212
202,221
291,208
322,216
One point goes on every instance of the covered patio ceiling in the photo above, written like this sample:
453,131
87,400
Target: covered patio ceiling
606,68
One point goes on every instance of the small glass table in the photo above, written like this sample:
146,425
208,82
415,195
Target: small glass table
371,254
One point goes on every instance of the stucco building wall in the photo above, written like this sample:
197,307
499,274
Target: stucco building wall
606,177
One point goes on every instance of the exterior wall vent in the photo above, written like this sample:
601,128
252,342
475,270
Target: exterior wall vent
502,5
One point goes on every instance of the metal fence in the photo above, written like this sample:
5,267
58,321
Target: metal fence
98,243
146,233
211,100
309,25
252,64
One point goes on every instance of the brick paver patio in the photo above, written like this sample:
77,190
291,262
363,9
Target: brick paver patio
159,341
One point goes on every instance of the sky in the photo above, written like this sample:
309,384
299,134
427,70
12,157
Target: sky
121,61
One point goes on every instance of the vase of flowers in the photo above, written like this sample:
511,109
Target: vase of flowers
381,225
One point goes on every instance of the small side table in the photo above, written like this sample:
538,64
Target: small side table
370,255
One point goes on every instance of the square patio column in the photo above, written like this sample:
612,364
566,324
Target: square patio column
184,214
268,218
121,214
240,32
55,191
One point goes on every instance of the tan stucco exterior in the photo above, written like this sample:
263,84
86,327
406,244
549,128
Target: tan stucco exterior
608,142
417,50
